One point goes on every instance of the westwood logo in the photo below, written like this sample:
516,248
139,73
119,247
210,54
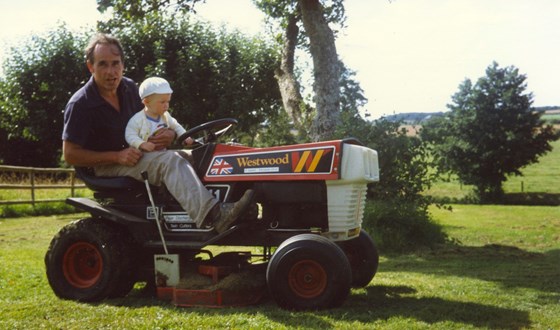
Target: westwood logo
220,167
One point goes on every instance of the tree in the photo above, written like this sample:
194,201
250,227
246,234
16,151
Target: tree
39,79
214,74
312,14
315,18
126,11
490,132
217,73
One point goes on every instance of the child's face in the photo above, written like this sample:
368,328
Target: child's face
157,104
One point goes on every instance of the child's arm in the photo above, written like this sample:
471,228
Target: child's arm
132,132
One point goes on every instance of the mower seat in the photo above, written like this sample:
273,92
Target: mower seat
107,183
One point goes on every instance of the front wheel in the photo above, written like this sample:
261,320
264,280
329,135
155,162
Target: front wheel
308,272
87,261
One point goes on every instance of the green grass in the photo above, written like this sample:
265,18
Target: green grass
503,275
539,184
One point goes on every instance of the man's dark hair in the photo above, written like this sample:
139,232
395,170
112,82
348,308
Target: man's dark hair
102,38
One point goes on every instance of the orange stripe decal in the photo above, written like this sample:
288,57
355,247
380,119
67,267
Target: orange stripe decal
315,161
302,161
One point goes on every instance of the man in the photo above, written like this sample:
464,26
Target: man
95,119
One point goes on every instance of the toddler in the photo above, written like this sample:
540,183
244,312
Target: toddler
155,93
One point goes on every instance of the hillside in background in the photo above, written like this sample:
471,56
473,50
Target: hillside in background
412,118
551,114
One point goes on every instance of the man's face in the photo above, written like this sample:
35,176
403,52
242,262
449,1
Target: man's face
107,67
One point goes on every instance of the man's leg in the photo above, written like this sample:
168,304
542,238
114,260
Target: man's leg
180,178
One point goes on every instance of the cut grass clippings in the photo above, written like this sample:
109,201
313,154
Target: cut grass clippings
503,274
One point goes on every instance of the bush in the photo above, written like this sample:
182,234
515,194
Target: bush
401,227
397,210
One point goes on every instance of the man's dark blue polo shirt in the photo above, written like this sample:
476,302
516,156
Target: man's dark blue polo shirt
93,123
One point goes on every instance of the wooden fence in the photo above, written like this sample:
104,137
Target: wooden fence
31,174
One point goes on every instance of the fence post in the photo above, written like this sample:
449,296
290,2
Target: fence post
34,175
72,181
32,178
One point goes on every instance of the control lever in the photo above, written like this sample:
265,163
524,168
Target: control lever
145,177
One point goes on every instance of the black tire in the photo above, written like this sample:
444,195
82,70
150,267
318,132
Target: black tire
363,257
88,261
129,267
308,272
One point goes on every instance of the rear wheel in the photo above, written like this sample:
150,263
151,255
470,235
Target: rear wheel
308,272
363,257
88,260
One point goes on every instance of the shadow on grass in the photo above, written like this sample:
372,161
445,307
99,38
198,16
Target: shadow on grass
509,266
386,302
524,198
532,198
381,303
372,304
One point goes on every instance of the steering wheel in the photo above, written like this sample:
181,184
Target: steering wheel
210,131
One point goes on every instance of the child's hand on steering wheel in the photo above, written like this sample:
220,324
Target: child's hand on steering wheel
188,141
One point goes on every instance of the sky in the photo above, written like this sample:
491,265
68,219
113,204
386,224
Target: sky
409,55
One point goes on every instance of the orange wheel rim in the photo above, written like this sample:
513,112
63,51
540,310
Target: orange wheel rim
82,265
307,279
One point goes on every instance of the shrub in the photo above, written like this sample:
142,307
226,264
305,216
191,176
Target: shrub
401,227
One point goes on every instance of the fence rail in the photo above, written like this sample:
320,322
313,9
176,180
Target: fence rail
31,173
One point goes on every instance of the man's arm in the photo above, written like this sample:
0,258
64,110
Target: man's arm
76,155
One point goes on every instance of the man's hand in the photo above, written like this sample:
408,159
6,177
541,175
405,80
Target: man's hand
163,139
129,156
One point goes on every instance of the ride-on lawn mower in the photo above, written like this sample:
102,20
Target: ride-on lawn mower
304,221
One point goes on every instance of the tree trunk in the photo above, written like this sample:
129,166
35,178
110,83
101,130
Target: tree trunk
490,193
287,82
326,69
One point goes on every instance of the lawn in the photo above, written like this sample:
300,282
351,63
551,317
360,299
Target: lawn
502,274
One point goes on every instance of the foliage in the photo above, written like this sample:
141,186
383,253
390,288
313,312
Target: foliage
398,210
402,226
491,132
539,185
126,11
352,97
276,131
318,39
39,79
214,74
281,10
404,161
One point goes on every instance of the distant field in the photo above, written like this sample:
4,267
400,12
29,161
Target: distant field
552,117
